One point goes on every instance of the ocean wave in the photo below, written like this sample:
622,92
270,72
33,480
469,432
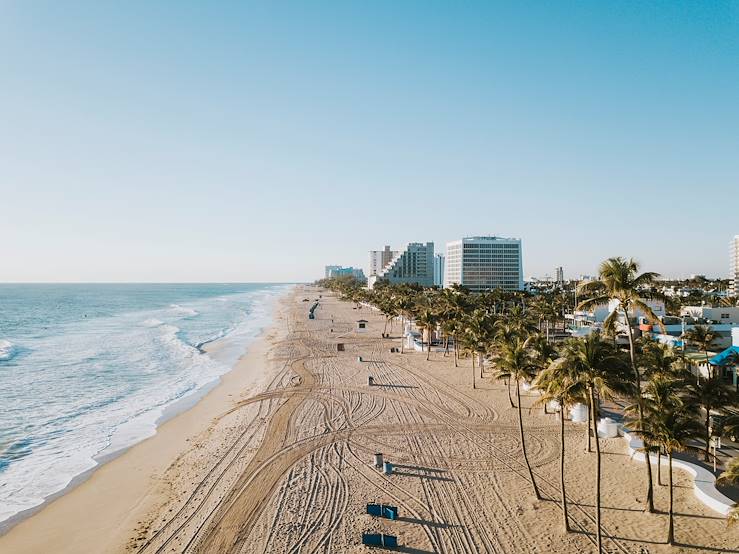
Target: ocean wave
184,310
152,322
7,350
119,379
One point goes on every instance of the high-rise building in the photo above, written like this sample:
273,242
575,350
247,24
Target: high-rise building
439,270
734,271
413,264
340,271
559,274
379,259
484,263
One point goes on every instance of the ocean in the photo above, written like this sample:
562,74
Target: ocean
87,370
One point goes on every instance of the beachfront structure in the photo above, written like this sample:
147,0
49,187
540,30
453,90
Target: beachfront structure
333,271
484,263
379,259
582,322
712,315
414,264
734,270
439,270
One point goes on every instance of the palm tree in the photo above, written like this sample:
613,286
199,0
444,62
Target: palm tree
505,333
601,369
478,333
557,383
660,359
672,429
711,394
703,337
516,360
731,475
426,321
620,280
663,369
404,304
545,309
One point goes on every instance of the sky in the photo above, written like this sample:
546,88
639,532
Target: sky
238,141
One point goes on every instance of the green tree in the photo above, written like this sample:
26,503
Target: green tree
731,476
516,360
426,321
711,395
703,337
602,371
620,280
560,384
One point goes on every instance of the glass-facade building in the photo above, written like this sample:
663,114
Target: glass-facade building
484,263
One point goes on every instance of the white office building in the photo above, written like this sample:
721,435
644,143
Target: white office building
734,270
379,259
484,263
413,264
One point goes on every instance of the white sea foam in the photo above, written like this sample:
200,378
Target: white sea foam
183,310
152,322
103,385
7,350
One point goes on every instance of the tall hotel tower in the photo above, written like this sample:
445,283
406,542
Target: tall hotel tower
484,263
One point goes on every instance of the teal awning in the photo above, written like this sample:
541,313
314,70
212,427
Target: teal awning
725,356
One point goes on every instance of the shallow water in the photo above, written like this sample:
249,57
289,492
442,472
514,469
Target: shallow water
86,370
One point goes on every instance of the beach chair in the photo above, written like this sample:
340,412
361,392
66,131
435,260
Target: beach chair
374,509
372,539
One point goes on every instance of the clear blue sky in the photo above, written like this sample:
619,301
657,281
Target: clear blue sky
225,141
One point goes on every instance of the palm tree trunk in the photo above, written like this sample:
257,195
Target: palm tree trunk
587,432
597,473
473,370
562,465
428,351
659,466
707,425
523,442
402,333
481,361
508,384
671,525
650,485
708,365
456,352
384,331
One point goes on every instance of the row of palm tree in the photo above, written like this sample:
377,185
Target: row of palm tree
667,407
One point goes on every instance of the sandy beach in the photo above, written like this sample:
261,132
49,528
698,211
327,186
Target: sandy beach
277,458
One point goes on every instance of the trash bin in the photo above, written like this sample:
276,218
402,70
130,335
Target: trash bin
387,468
579,413
607,428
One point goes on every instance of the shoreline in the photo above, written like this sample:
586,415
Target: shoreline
61,522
